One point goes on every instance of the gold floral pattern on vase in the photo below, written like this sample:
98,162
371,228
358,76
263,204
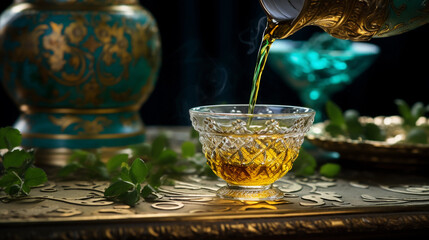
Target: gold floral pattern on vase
96,64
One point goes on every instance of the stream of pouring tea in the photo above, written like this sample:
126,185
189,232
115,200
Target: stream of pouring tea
264,49
272,32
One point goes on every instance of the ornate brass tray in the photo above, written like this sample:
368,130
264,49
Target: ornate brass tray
392,153
356,205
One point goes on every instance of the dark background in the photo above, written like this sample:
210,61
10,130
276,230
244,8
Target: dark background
209,52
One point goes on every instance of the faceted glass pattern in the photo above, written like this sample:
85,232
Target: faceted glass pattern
251,151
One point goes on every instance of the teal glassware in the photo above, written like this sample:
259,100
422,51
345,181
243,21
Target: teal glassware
316,74
79,70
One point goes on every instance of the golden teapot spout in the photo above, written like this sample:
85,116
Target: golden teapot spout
357,20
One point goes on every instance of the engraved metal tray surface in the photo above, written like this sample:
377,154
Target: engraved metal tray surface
360,204
392,153
357,204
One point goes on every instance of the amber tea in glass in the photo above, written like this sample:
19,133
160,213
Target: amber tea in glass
251,146
250,158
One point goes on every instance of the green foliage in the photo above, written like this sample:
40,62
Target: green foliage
335,114
116,161
410,115
158,145
127,187
85,164
305,164
10,138
19,174
347,124
354,127
330,170
153,164
373,132
417,135
194,134
188,149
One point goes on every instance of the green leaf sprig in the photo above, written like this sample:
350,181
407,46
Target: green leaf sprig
157,162
410,115
19,174
306,165
127,187
347,124
195,157
85,164
154,164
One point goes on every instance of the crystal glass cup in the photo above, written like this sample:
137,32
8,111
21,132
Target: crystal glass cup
251,151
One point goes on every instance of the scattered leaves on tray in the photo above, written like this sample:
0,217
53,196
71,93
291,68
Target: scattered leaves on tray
17,173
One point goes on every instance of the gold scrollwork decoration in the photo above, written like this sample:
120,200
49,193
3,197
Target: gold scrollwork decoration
347,19
88,127
53,46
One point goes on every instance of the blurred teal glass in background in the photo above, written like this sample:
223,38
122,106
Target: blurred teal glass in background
320,67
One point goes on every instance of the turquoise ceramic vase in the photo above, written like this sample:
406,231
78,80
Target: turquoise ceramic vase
79,70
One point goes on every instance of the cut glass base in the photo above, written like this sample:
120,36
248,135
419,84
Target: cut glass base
250,193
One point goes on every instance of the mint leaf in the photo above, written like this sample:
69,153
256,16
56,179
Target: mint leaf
16,158
125,173
85,164
116,161
13,190
80,156
123,191
167,156
34,177
373,132
335,114
155,179
417,111
354,127
19,173
8,179
117,188
147,191
69,169
141,150
334,130
305,164
194,134
417,135
330,170
10,138
403,108
138,171
25,189
158,145
127,188
405,112
130,198
188,149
